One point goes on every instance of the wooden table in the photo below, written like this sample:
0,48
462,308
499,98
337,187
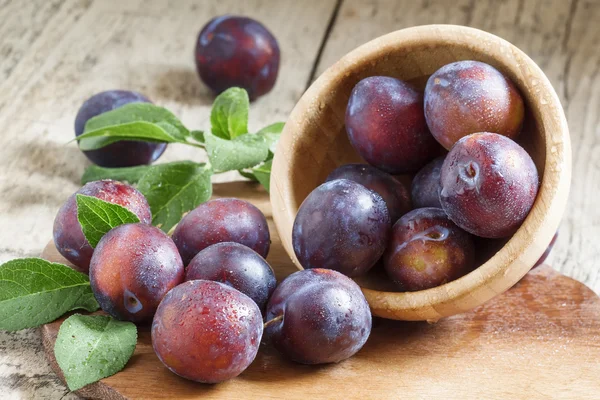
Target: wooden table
56,53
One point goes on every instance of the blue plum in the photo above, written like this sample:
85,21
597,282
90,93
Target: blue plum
426,187
389,188
427,250
466,97
222,220
206,331
234,51
546,252
125,153
341,225
237,266
318,316
68,237
133,267
386,125
489,184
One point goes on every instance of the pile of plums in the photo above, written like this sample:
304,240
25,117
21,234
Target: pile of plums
206,288
485,185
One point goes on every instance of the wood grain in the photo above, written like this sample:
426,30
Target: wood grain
561,37
57,54
314,142
540,339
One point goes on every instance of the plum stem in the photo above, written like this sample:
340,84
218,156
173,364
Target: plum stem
271,322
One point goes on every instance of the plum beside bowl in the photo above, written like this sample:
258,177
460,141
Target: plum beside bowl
314,142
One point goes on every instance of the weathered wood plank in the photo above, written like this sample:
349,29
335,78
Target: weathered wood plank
26,29
141,45
561,36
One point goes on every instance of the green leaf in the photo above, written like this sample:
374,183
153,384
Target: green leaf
125,174
275,128
136,112
35,291
97,217
140,130
271,133
198,136
134,121
244,151
260,174
89,348
263,174
174,189
229,114
248,174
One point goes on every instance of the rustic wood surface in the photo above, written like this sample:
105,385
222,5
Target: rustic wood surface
56,53
542,336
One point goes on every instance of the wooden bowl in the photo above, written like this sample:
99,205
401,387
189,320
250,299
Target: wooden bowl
314,142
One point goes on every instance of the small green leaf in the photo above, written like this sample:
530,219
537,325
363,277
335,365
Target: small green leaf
229,114
125,174
260,174
97,217
271,134
140,130
248,174
245,151
276,127
198,136
263,174
174,189
89,348
35,291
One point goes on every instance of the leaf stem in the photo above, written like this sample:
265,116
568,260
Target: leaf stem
201,146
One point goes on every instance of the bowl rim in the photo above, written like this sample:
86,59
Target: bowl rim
514,259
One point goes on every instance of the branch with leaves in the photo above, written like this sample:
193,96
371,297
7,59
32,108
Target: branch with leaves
175,188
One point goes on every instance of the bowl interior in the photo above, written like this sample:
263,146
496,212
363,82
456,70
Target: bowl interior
315,140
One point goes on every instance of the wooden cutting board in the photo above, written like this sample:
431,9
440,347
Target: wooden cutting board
541,339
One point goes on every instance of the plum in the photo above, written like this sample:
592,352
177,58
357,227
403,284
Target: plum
489,184
427,250
222,220
234,51
386,125
126,153
68,237
133,267
425,190
237,266
546,252
318,316
206,331
467,97
389,188
341,225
